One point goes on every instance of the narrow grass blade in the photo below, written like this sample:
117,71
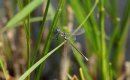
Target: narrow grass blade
81,74
84,20
123,30
77,54
81,63
93,22
119,51
103,61
4,69
113,16
28,41
47,43
80,15
40,33
75,51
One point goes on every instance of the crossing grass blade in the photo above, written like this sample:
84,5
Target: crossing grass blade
93,21
31,69
80,15
87,76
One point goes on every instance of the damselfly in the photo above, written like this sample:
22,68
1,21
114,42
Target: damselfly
81,31
64,35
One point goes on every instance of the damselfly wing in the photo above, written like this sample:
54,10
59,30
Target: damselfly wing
59,32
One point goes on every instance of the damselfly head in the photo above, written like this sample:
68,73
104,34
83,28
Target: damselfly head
57,30
65,37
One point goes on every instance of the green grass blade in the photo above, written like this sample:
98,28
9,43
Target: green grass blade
84,20
27,32
31,69
22,14
33,19
92,21
118,56
80,15
20,4
77,54
47,44
40,33
112,13
81,74
104,62
124,27
75,50
28,42
4,69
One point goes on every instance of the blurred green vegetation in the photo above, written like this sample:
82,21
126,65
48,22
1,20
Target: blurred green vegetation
27,40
